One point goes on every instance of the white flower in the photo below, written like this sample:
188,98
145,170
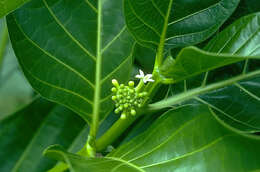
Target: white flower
145,78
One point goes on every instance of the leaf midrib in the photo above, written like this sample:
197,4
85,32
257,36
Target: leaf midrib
95,117
190,15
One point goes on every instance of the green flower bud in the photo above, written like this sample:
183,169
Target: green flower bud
122,85
117,111
126,105
115,83
113,89
121,108
114,98
131,84
123,116
133,112
145,93
118,96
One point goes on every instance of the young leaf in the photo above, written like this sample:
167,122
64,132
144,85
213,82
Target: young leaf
192,61
10,5
71,50
175,22
179,140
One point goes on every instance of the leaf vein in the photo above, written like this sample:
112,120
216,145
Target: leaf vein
91,6
67,32
168,139
56,59
190,153
141,20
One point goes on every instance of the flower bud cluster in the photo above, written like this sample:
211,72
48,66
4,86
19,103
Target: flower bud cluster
126,98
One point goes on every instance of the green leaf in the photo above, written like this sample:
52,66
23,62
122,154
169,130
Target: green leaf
79,47
78,163
25,134
236,43
15,91
234,101
10,5
237,105
185,139
192,61
176,23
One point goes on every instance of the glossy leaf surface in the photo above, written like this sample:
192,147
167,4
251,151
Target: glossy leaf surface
185,139
176,23
7,6
238,105
79,47
238,42
192,61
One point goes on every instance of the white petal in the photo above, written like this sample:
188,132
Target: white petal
150,80
149,75
141,72
138,76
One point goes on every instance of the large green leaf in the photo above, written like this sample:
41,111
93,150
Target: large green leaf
175,22
185,139
236,43
71,50
25,134
238,104
6,6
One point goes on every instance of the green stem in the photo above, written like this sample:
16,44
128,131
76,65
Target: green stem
90,145
198,91
3,44
115,131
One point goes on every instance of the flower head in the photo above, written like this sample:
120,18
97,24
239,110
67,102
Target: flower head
127,99
145,78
